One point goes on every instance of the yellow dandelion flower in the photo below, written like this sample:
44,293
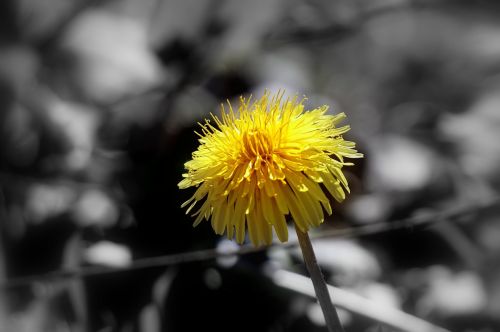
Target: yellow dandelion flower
268,160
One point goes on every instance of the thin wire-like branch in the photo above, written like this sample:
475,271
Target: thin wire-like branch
337,31
411,223
354,303
13,180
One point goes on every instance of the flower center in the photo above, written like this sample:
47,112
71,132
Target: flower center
257,144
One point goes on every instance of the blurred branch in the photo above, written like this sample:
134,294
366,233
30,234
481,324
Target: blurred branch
357,304
421,221
3,311
463,246
156,89
338,31
15,179
76,288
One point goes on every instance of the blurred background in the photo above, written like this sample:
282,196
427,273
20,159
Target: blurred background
98,103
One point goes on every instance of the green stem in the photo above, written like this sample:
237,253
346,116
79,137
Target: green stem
331,316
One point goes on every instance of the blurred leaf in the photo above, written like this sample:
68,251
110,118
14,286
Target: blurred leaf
77,123
108,254
46,201
150,319
95,208
113,56
476,133
21,137
348,261
400,164
452,293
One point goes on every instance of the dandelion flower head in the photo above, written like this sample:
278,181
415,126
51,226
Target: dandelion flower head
268,160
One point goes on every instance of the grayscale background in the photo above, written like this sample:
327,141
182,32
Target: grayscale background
99,101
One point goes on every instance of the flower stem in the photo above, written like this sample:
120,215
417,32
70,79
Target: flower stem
331,316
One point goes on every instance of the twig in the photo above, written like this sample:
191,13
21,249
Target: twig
464,247
208,254
331,317
357,304
338,30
